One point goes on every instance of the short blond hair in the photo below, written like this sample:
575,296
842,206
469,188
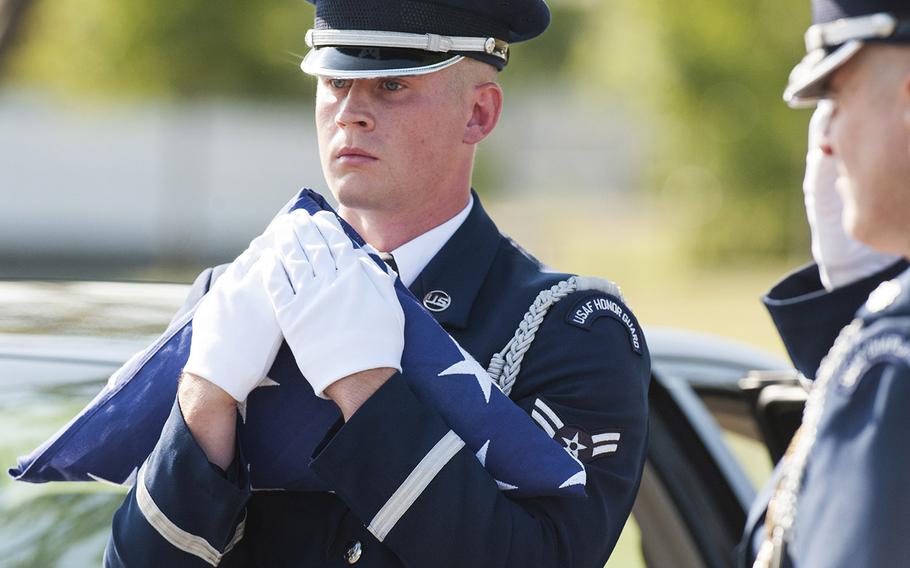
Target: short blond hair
471,73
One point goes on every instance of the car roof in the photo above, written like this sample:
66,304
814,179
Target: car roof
95,309
703,359
103,321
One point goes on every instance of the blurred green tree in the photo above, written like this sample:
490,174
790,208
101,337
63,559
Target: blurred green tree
171,48
708,75
12,14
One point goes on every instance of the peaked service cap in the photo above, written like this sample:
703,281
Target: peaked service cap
840,29
357,39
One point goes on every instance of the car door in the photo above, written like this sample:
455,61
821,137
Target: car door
707,455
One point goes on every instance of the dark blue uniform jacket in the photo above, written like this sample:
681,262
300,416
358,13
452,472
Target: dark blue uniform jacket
854,506
586,379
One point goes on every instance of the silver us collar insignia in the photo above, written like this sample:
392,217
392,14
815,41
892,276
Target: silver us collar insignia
437,301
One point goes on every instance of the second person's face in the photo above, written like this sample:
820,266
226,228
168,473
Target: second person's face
868,137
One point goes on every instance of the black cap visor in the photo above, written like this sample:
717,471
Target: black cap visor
373,62
809,80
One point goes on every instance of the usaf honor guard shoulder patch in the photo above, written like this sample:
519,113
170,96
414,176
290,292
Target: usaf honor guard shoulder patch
581,445
591,308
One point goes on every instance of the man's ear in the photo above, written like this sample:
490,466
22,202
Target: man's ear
484,113
905,106
905,97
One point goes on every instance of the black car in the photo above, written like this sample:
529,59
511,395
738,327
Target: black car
721,412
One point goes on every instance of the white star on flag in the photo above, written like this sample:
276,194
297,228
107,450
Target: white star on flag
482,453
471,367
482,456
128,482
579,478
241,406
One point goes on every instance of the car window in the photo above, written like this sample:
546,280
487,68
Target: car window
733,414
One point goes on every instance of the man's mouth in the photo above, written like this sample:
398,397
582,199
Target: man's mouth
354,155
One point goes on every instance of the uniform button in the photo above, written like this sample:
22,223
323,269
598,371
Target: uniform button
353,552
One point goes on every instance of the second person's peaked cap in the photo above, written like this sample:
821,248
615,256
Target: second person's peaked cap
840,28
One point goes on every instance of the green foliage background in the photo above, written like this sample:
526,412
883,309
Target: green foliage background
728,152
704,76
165,48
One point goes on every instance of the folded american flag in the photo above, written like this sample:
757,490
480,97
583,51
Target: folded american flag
282,421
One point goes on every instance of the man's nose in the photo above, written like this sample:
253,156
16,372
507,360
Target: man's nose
355,110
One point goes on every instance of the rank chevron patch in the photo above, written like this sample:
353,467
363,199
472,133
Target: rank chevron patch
577,442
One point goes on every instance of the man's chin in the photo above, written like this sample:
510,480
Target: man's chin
865,229
358,193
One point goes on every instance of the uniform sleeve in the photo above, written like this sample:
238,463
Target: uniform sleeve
181,512
808,317
414,485
854,509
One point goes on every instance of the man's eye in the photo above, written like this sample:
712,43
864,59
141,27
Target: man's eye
339,83
392,86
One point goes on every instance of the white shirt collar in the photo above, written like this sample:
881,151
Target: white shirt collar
413,256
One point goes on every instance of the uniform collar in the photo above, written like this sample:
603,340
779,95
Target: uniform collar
413,256
460,267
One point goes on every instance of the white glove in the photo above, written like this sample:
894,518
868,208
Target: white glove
337,309
235,334
841,259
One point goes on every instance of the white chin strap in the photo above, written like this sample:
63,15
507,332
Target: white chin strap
821,36
426,42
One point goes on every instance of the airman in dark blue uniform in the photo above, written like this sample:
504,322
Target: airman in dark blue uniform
838,498
582,375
